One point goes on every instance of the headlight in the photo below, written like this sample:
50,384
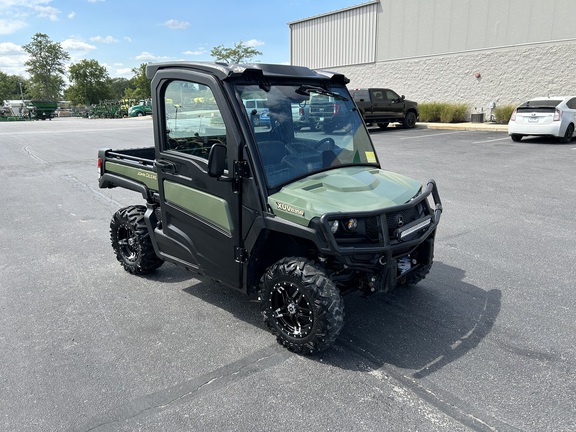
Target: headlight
350,225
334,226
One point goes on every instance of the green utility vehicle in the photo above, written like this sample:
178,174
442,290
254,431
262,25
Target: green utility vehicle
298,217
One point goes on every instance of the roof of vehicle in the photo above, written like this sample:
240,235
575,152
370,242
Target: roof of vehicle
225,71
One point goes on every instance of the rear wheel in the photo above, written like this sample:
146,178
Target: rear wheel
131,241
383,125
516,137
301,305
568,134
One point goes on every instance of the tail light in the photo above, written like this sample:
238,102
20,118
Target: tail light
336,109
100,166
301,111
513,116
557,115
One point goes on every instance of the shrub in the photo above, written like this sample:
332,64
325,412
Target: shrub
443,112
429,112
503,113
454,113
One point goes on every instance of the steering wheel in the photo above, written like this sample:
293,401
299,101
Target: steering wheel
325,144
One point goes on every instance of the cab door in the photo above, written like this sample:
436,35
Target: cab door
200,214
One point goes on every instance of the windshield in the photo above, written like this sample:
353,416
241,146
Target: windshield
303,129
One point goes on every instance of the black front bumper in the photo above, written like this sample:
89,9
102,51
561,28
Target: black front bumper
394,232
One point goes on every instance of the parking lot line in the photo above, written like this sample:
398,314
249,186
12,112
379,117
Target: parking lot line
431,135
493,140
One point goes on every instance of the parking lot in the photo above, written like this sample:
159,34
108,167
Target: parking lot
486,342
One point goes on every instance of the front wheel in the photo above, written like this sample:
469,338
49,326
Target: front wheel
409,121
301,305
131,241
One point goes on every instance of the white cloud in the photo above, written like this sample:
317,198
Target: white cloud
11,26
195,53
105,40
123,73
12,59
145,56
47,12
15,13
176,25
253,43
128,39
76,45
71,15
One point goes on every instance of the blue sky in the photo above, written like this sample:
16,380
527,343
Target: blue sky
122,34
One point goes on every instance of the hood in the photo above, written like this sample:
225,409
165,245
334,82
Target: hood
342,190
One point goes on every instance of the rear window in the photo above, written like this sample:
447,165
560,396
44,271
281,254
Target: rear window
360,95
544,103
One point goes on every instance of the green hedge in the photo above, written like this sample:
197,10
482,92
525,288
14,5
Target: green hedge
443,112
503,113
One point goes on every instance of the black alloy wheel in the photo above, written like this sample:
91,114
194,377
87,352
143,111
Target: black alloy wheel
301,305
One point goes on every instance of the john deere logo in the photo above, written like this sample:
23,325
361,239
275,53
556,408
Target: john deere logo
288,208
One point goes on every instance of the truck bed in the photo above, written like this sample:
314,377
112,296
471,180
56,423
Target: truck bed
130,168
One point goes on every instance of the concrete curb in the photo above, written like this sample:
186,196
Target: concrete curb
488,127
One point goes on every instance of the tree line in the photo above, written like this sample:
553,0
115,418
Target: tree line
89,81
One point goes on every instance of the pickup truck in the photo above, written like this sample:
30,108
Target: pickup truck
382,106
300,218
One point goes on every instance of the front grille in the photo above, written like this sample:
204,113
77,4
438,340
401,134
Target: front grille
401,218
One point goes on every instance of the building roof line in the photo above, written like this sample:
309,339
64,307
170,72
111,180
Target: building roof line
335,12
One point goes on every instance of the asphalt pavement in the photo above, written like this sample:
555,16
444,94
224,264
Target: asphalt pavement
487,342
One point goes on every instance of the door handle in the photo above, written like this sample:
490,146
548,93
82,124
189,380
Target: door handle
166,166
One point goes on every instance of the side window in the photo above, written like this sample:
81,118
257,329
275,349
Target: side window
377,95
391,95
193,120
571,103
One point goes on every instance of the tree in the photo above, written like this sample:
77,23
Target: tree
239,54
46,67
90,83
10,86
118,87
139,84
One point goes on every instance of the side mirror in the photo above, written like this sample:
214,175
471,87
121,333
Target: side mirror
402,97
217,160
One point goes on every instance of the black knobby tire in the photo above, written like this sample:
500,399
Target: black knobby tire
409,121
301,306
568,134
131,241
414,276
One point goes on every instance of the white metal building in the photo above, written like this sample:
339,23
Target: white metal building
470,51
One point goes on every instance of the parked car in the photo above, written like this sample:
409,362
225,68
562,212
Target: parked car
258,112
544,116
301,116
383,106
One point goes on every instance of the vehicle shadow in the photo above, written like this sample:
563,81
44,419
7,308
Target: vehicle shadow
395,127
421,328
544,140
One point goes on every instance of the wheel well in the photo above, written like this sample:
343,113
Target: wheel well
272,246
